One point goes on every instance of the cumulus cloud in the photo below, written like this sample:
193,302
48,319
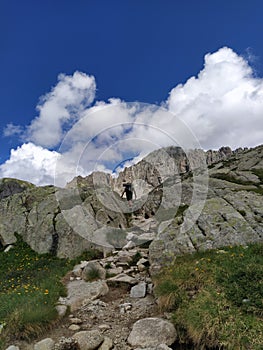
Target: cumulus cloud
31,163
222,105
64,104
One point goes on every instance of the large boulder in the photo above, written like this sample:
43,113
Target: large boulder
89,340
152,331
79,292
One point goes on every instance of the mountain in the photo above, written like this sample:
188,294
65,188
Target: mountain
186,201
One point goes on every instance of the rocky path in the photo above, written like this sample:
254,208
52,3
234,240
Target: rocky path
105,313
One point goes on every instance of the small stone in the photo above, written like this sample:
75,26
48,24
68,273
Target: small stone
45,344
129,245
142,261
8,248
62,310
150,288
138,291
104,327
75,320
62,301
77,270
74,327
123,278
12,347
115,271
141,267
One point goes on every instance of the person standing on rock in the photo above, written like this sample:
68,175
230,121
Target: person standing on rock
129,191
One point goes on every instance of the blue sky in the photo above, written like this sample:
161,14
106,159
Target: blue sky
138,50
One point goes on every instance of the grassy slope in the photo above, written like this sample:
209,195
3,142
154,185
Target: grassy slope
216,297
30,285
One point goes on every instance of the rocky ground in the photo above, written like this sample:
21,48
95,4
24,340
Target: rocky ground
104,313
180,211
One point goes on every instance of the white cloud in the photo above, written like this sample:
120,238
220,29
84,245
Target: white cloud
223,105
31,163
64,104
11,130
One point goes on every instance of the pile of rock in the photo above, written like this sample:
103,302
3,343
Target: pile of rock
116,311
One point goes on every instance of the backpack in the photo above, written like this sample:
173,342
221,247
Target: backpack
128,187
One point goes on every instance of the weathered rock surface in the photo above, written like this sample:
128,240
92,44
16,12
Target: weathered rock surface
93,269
45,344
89,340
152,331
9,187
138,291
80,292
231,215
171,189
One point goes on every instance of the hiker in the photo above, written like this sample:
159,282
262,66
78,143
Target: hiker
128,190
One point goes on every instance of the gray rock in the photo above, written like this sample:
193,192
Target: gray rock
129,245
152,331
12,347
80,292
106,345
123,278
74,327
8,248
225,220
9,187
159,347
66,344
138,291
93,270
115,271
89,340
77,270
62,310
75,320
45,344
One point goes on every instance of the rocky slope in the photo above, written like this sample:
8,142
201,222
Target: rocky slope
203,201
116,311
198,200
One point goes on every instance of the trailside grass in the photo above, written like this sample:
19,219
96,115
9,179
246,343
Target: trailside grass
216,297
30,285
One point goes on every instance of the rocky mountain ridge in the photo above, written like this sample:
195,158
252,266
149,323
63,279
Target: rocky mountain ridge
171,186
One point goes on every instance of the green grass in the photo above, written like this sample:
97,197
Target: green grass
216,297
30,285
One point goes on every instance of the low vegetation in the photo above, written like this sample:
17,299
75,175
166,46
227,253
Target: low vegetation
30,285
216,297
231,178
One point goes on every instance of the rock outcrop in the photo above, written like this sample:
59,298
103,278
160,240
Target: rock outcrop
231,215
186,201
